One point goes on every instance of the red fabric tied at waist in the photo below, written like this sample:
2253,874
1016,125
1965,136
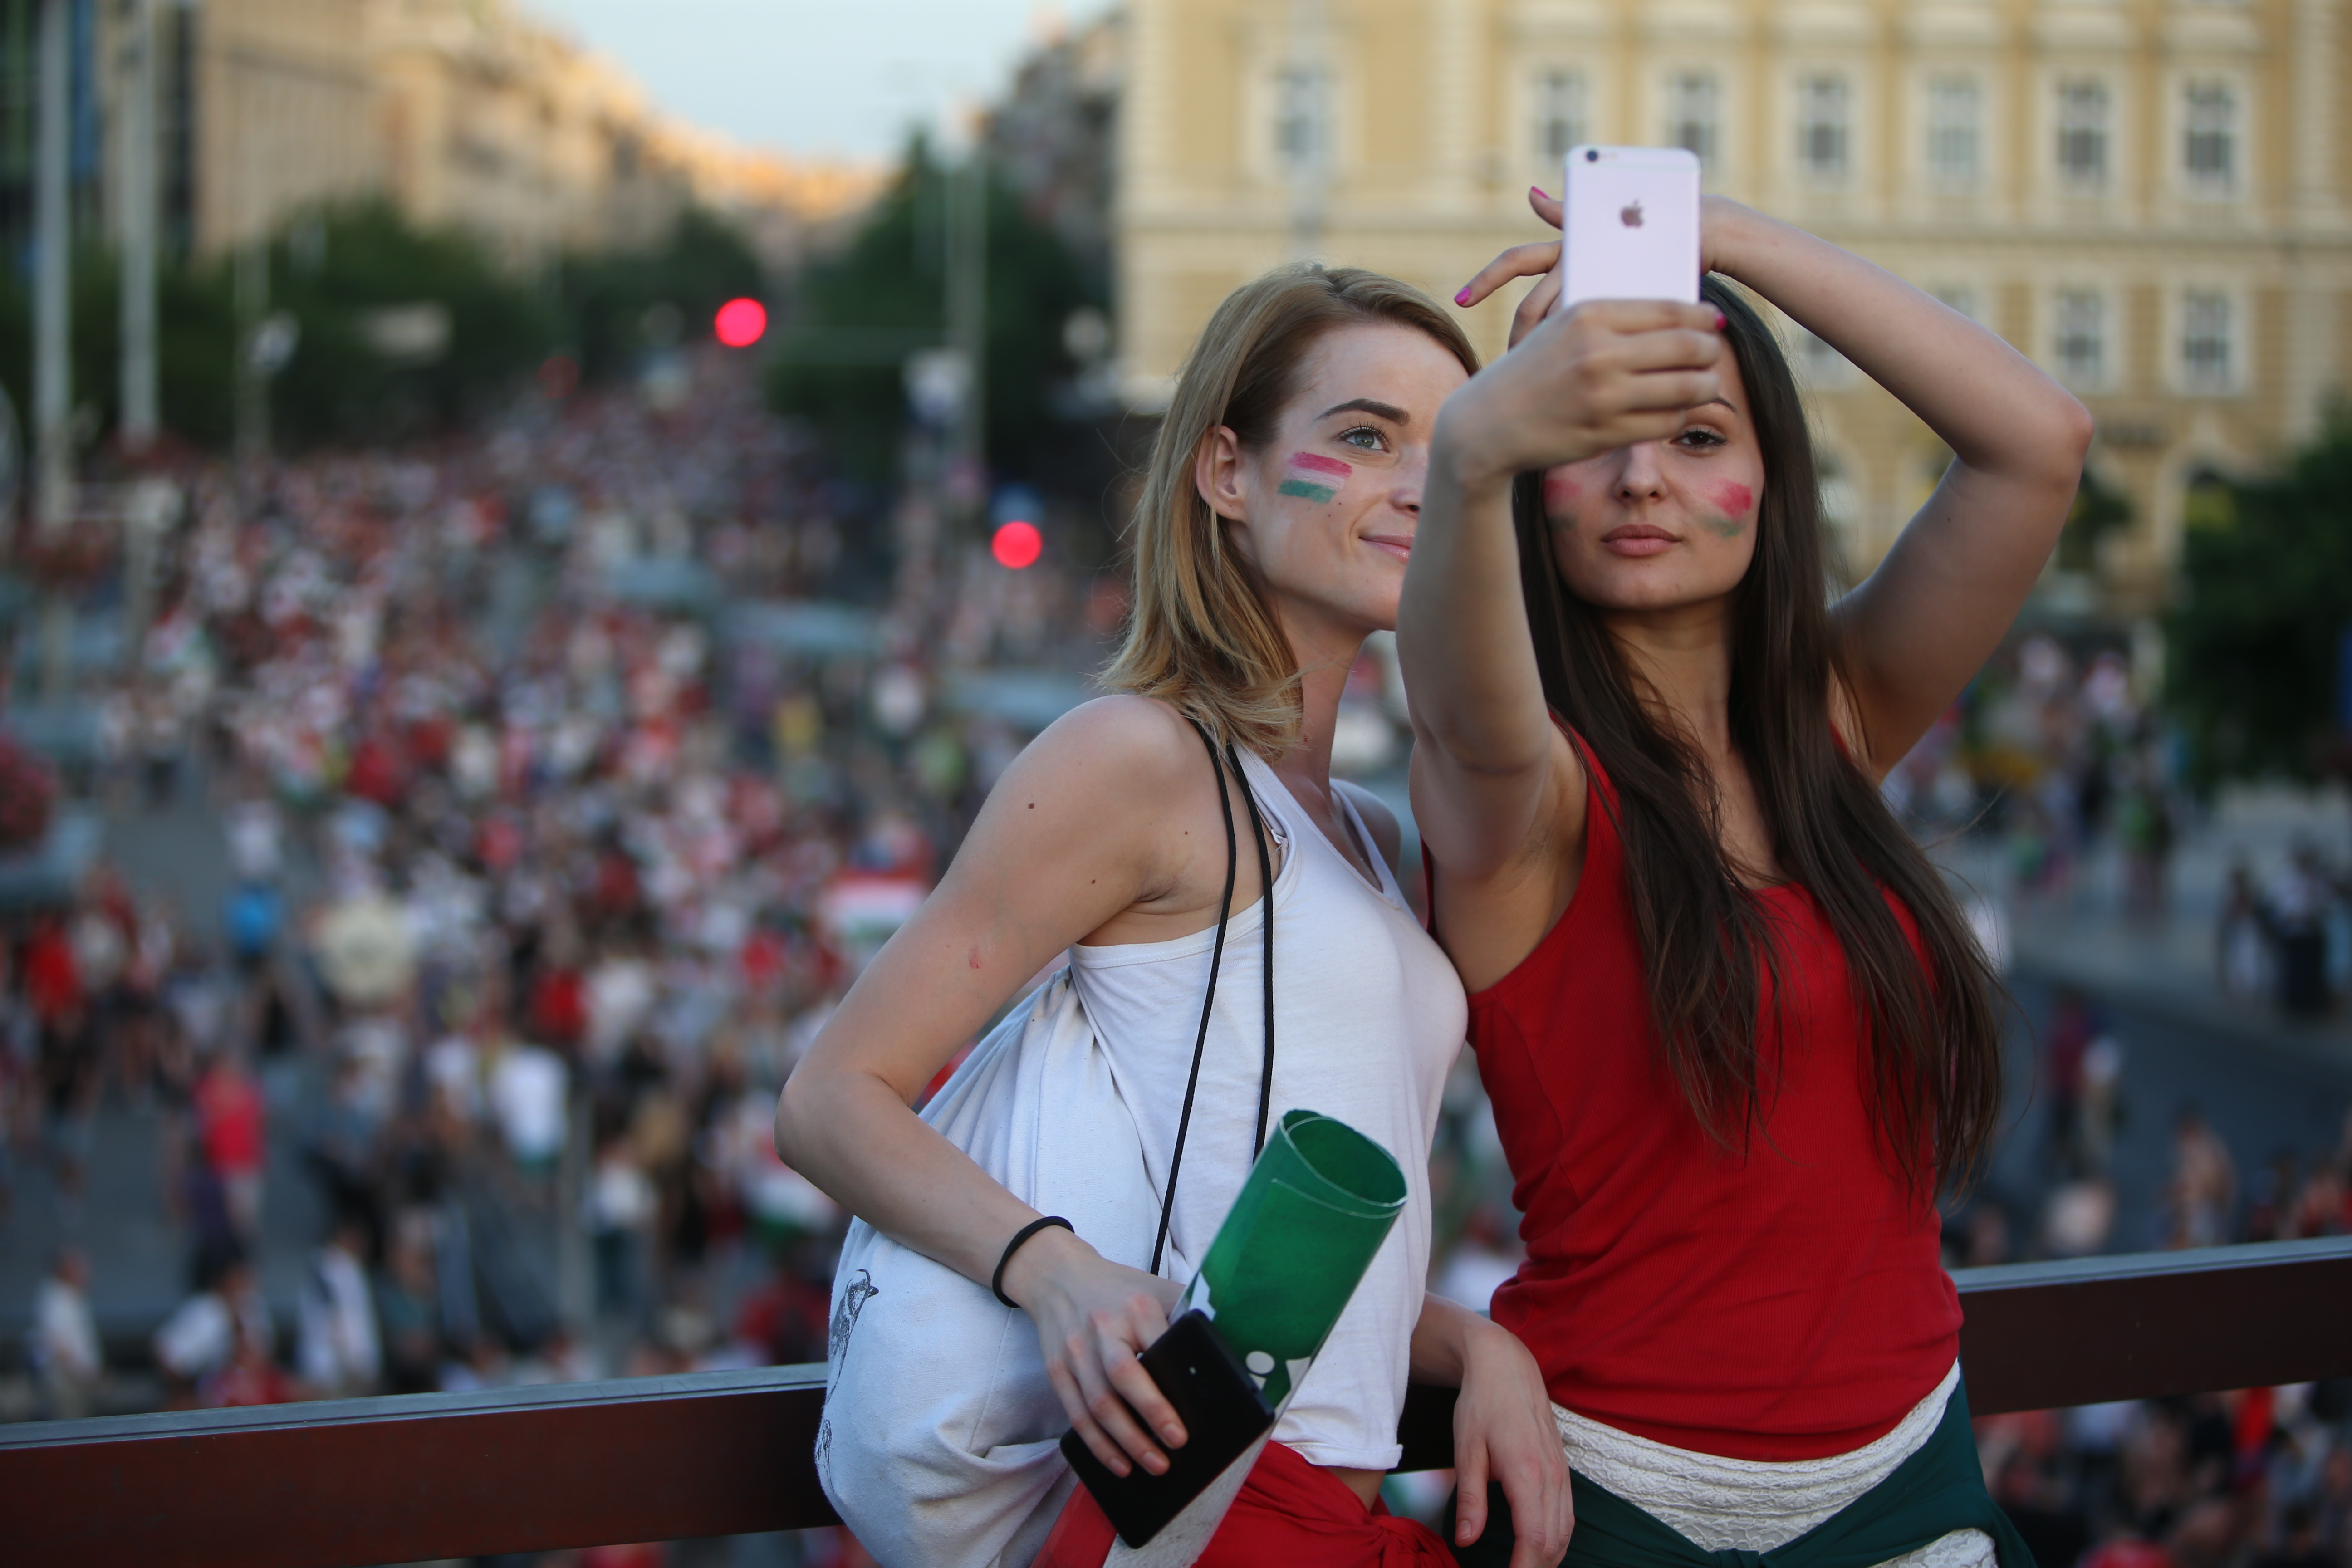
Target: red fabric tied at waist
1288,1514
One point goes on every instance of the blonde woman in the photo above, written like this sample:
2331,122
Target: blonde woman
1271,539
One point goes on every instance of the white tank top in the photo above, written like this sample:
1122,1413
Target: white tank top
1369,1016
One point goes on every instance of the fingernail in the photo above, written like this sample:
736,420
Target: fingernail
1464,297
1720,323
1173,1433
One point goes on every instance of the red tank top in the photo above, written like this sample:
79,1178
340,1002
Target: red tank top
1786,1303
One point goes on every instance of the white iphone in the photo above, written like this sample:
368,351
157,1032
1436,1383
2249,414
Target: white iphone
1631,228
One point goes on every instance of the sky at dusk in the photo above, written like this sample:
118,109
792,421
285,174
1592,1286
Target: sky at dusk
817,78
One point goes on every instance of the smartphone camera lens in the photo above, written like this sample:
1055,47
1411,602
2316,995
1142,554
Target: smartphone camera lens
1593,154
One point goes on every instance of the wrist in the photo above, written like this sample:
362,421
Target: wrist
1457,461
1031,1270
1729,228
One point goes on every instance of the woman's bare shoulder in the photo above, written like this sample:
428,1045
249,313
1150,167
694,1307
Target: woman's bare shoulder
1121,743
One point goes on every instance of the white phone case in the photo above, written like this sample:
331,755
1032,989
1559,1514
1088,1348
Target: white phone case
1631,229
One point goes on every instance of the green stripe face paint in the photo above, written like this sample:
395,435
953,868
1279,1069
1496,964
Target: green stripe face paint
1313,478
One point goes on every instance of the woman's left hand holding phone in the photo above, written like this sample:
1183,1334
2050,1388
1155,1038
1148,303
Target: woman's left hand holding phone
1094,1319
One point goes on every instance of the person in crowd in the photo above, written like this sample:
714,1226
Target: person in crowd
1270,540
2202,1194
409,1314
2073,1027
2238,936
337,1348
222,1320
1737,1030
63,1347
2297,910
231,1130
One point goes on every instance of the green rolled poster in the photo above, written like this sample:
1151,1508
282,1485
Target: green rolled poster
1316,1207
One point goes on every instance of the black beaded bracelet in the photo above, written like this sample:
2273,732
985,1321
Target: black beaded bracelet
1024,1234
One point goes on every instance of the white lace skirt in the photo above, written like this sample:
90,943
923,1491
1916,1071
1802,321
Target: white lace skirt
1753,1505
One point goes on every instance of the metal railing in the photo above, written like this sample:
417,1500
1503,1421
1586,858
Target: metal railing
458,1475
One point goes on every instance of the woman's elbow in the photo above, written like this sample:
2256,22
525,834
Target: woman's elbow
798,1109
2066,430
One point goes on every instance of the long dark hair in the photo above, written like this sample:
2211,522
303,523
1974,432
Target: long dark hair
1933,1074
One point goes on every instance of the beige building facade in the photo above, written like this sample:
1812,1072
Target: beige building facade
2148,197
470,113
280,106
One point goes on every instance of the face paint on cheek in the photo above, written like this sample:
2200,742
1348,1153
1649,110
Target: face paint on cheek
1735,500
1314,478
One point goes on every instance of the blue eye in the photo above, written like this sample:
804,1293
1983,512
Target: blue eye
1364,437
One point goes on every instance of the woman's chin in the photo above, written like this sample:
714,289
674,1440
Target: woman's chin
1631,591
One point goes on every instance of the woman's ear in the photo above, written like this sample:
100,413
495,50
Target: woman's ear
1217,474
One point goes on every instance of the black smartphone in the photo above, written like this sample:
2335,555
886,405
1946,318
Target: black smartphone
1223,1411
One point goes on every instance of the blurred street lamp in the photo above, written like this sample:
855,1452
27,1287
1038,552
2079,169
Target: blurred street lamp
1017,544
741,322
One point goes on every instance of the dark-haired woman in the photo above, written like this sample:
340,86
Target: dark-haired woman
1737,1034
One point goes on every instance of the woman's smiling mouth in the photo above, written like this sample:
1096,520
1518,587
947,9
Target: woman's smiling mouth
1397,545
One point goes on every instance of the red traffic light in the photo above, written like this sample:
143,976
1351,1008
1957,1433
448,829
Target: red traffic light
1017,544
741,322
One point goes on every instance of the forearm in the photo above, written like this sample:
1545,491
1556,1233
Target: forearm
1998,412
1463,641
851,1134
1441,1338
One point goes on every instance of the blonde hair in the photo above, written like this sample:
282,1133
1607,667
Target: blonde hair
1202,636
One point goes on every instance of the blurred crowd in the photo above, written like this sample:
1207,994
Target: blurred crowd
543,858
2055,753
2260,1478
556,790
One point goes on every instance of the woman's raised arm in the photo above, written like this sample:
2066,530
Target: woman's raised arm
1923,623
1487,763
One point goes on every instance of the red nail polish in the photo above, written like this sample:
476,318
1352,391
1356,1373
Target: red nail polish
1464,297
1720,322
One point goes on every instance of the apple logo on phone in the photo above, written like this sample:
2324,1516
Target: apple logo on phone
1631,214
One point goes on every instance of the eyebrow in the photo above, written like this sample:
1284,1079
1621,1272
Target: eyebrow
1387,411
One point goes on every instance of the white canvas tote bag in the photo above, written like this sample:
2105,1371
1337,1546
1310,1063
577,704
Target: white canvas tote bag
939,1446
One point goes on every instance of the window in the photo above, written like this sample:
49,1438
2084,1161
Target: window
1690,114
2209,135
2081,341
2082,131
2205,360
1822,127
1560,113
1301,132
1953,121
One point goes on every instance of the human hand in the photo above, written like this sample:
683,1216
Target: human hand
1503,1431
1094,1316
1722,223
1603,375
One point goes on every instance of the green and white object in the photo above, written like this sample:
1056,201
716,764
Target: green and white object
1316,1208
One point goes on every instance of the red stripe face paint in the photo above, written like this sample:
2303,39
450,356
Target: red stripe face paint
1311,477
1735,500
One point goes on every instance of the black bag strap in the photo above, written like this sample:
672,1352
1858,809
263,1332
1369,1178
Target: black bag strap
1216,958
